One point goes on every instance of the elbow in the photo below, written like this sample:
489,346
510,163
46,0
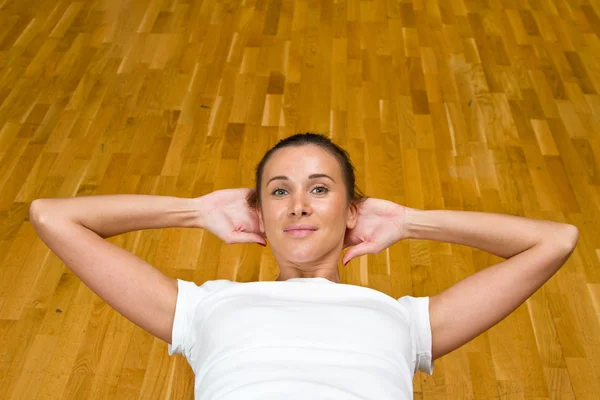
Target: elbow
569,237
35,210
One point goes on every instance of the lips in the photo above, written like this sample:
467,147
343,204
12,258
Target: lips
300,232
300,227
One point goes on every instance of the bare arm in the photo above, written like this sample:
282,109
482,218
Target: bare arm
535,249
74,228
498,234
112,215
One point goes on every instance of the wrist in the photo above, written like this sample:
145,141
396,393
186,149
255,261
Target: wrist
198,220
403,221
409,226
418,223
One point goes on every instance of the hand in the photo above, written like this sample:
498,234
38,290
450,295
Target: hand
380,224
226,214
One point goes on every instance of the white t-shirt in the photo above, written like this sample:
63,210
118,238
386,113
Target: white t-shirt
304,338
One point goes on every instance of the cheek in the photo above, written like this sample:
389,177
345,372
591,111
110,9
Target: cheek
271,218
332,217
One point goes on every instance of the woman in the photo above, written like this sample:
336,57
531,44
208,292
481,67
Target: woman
304,336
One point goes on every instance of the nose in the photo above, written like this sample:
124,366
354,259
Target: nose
300,205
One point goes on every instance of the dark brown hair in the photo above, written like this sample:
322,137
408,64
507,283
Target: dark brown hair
354,195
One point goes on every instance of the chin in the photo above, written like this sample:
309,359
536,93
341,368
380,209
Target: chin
303,256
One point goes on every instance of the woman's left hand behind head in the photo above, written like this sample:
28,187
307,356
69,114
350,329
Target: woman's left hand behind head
380,224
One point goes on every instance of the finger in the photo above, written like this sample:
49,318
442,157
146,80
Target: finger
360,250
243,237
257,239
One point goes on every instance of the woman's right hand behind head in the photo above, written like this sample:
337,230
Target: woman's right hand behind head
226,214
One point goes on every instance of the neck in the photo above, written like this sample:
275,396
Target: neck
331,275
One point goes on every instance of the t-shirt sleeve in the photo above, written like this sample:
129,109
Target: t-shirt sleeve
420,332
189,295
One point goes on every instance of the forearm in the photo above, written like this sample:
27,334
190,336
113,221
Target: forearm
111,215
498,234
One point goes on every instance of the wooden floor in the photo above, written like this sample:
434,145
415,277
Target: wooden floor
466,104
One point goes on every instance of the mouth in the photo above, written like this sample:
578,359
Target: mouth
300,233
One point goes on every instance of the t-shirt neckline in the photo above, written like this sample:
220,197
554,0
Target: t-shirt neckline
316,279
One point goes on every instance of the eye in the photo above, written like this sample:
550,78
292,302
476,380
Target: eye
325,190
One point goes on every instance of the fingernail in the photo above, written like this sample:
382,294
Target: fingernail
263,245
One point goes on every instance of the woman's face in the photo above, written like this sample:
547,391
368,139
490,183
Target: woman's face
303,185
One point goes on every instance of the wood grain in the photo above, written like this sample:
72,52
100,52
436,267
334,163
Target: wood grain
463,105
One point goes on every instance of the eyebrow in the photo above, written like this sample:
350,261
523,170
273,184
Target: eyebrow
311,176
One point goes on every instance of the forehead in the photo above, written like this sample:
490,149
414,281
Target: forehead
301,161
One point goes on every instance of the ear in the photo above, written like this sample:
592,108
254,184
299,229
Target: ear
352,216
261,226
